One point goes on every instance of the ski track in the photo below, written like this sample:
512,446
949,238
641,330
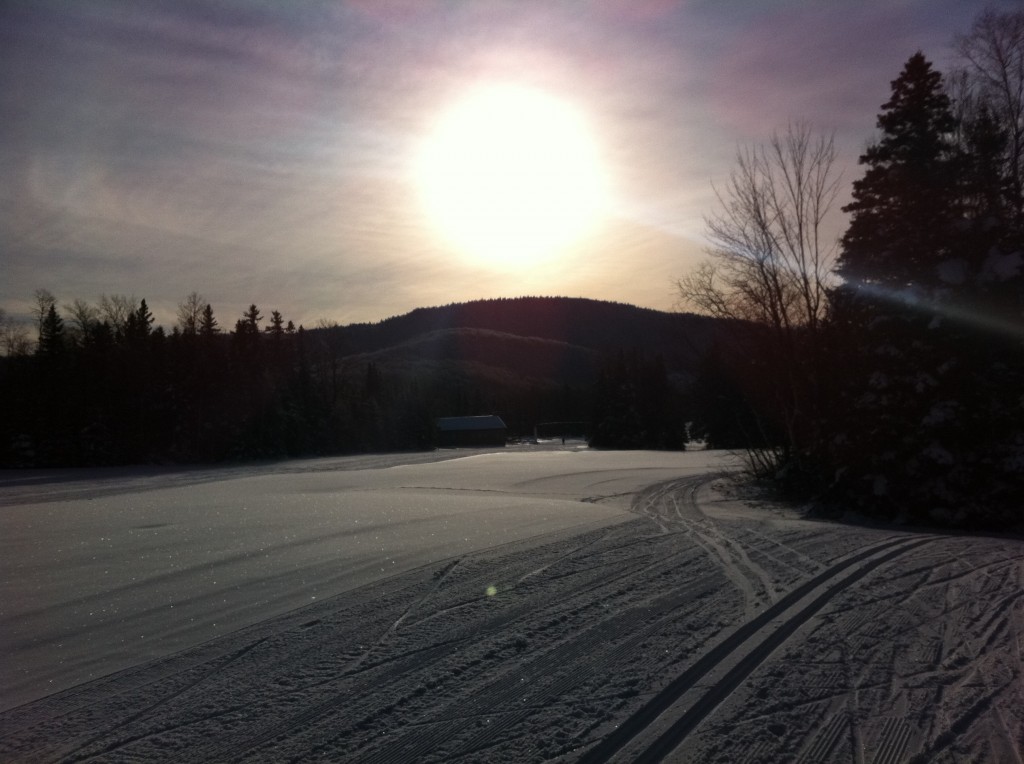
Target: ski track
681,635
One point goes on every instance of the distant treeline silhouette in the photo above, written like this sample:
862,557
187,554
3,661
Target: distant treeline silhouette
106,386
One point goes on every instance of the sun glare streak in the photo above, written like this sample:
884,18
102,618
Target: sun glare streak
961,314
511,175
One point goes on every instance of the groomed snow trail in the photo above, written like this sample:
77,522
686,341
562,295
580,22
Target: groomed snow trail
700,630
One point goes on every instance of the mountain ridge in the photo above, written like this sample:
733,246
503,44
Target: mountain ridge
500,333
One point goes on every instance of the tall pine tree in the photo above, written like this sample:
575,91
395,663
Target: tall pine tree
902,208
919,421
51,333
903,213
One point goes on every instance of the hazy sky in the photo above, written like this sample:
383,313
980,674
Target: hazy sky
261,151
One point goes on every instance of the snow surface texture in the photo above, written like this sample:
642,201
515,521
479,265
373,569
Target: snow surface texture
664,620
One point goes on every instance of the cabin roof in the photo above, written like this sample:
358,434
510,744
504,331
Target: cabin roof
454,423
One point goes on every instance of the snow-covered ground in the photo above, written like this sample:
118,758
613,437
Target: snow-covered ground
531,605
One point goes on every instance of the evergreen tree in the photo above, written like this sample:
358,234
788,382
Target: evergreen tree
51,412
635,406
986,188
251,320
276,327
51,333
725,414
903,205
902,228
207,323
925,389
139,324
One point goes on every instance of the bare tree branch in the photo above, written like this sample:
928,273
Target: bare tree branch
994,52
770,257
115,310
190,313
769,269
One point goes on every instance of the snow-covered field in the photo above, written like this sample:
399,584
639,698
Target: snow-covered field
529,605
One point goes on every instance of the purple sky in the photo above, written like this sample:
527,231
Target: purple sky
258,151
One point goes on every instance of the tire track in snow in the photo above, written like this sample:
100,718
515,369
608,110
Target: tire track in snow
744,650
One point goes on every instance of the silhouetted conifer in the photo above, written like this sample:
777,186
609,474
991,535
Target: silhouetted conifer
207,322
925,370
903,205
276,327
51,334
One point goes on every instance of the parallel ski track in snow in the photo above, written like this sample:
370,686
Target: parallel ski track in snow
588,652
739,654
672,506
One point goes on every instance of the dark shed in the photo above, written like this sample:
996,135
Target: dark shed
456,431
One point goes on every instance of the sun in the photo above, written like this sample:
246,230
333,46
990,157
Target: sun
511,176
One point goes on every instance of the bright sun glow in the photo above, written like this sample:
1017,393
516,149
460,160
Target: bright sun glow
511,175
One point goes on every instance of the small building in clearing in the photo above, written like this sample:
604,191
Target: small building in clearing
470,431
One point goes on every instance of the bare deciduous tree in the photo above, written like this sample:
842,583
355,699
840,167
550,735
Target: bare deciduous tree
994,52
771,250
190,313
768,272
44,301
81,316
115,310
13,336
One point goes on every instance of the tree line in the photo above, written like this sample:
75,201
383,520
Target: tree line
884,371
104,385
